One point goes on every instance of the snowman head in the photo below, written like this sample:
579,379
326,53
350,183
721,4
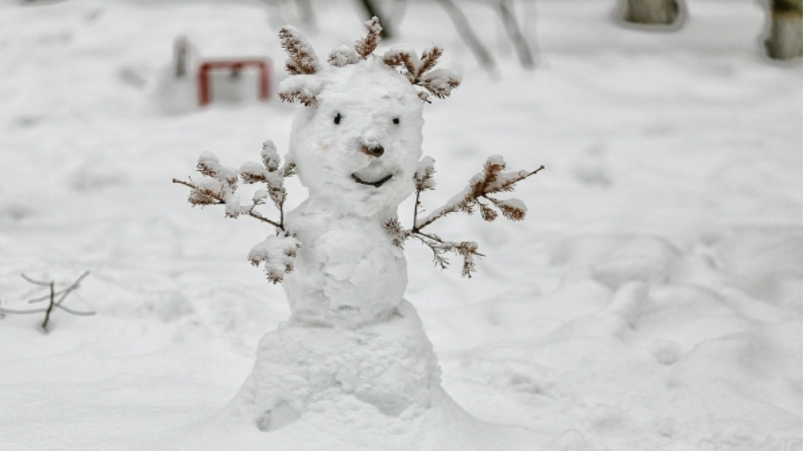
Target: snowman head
357,139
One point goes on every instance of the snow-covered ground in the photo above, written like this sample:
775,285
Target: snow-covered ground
653,298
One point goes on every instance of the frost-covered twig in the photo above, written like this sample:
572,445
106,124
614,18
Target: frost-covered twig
490,181
302,58
219,185
306,84
476,195
439,82
54,303
278,253
368,44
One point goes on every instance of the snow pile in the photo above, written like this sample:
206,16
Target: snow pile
387,367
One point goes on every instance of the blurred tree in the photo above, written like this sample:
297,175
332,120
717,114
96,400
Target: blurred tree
181,57
391,13
508,14
467,34
785,35
651,12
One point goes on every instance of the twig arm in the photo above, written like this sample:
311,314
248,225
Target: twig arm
220,201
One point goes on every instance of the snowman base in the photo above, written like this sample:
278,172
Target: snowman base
388,366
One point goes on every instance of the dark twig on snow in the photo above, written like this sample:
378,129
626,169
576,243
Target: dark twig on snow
53,302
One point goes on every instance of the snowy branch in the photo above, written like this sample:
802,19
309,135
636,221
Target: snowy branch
219,185
438,82
302,58
476,196
364,47
53,302
490,181
277,253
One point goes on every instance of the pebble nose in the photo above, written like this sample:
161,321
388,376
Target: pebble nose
374,151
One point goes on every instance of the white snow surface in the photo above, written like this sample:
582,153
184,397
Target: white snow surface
652,299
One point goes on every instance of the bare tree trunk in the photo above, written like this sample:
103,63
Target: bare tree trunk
651,12
508,15
467,34
181,65
785,37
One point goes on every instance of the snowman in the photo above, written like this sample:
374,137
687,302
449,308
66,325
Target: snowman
352,343
355,144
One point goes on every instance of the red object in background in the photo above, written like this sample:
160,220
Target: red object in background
204,82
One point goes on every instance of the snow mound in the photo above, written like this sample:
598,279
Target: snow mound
377,387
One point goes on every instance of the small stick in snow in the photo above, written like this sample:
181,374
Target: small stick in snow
54,303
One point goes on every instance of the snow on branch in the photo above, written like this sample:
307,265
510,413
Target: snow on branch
53,302
218,187
302,58
303,64
419,72
278,254
343,55
366,46
301,88
475,196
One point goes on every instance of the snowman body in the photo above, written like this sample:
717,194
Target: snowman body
356,151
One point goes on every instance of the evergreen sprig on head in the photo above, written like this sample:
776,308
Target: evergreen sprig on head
439,82
302,58
303,65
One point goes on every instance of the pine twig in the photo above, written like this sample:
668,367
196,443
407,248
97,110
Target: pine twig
302,58
220,201
492,180
278,251
366,46
466,200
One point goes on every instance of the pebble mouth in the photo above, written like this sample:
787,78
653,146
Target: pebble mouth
375,184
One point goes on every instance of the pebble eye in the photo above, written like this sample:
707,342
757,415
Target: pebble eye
395,120
338,118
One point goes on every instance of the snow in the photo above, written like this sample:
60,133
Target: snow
650,300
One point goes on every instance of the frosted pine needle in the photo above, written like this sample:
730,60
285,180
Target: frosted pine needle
302,58
364,47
